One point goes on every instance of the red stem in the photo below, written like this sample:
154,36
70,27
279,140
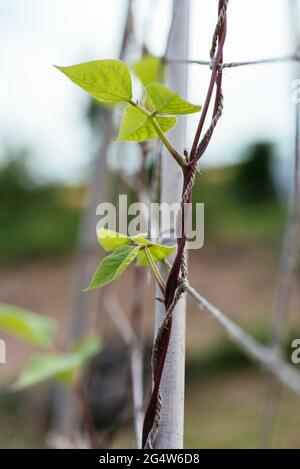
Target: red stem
215,74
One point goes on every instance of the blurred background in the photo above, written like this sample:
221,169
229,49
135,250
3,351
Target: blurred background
50,138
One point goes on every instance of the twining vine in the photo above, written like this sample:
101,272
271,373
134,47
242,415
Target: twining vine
175,285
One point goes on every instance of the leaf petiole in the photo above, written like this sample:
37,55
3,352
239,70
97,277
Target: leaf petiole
155,270
180,160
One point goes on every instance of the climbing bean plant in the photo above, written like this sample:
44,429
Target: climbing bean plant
109,81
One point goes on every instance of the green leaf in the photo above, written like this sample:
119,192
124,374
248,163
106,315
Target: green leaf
33,328
136,126
148,68
113,266
158,251
168,102
106,80
62,367
111,240
86,347
81,352
140,239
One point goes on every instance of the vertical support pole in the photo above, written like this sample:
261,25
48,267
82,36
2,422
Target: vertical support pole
289,258
170,431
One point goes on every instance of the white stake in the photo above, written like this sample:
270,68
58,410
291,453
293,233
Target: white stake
170,431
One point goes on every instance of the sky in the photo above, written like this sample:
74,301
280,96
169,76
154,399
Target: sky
41,109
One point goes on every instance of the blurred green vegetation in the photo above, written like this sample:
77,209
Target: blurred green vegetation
15,431
253,180
35,219
241,206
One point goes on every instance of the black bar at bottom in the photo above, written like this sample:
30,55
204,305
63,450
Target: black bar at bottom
136,458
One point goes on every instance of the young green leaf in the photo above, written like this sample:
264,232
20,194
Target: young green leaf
168,102
158,251
106,80
33,328
62,367
141,239
136,126
111,240
113,266
148,68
